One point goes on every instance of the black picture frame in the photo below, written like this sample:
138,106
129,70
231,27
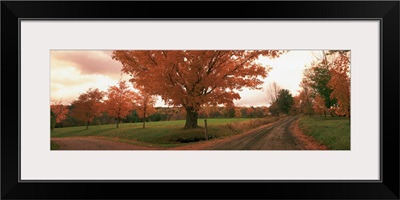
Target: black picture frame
13,11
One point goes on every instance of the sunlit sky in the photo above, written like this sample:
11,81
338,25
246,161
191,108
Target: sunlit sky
73,72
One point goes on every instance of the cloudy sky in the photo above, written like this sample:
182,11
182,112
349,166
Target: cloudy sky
73,72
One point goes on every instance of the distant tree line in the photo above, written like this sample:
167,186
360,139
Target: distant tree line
161,114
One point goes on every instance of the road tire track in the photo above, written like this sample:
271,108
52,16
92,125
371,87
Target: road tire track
275,137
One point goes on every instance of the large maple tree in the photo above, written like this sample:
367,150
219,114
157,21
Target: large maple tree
192,78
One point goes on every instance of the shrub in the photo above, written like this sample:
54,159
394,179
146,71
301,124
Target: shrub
182,137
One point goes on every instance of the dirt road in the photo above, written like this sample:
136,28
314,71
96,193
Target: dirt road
277,136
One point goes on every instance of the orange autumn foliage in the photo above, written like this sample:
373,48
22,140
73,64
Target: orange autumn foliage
296,107
88,106
207,110
238,112
119,101
249,111
305,98
319,105
60,111
340,83
192,78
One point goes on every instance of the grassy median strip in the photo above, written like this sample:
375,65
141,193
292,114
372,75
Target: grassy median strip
333,132
166,133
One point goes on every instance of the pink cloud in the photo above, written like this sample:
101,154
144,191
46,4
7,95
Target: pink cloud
89,62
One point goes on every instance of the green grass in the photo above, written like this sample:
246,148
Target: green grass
54,146
333,132
165,133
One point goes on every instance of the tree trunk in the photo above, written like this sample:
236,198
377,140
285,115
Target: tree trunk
191,118
118,121
144,116
144,120
87,125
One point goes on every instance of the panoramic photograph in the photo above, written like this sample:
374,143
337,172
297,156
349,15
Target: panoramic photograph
200,99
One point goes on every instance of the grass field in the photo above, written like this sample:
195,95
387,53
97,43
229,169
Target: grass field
333,132
54,146
166,133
